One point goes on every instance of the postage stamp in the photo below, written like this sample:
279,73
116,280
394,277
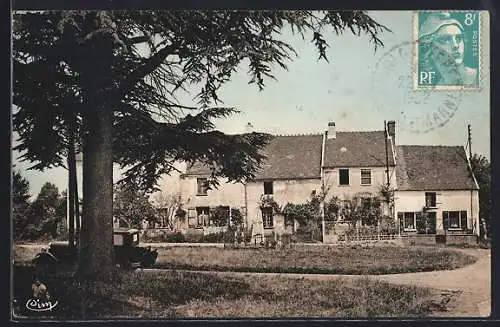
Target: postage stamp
447,50
414,111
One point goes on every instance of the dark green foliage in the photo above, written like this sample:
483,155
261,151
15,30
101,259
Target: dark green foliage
387,225
220,215
482,171
309,217
177,237
40,218
20,203
236,217
361,210
66,61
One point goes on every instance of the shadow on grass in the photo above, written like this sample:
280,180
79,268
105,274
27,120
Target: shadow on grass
131,294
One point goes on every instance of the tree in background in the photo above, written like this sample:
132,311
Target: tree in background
309,214
167,206
482,171
236,217
46,213
112,78
363,214
220,216
20,204
132,206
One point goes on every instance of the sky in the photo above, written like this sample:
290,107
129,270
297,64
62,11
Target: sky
358,89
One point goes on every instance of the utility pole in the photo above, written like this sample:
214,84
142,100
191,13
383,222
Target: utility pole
386,155
469,141
72,200
386,135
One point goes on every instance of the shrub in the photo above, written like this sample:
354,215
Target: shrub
388,225
177,237
161,237
212,238
220,215
193,237
228,236
236,216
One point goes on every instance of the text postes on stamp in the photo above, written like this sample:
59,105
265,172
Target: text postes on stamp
447,50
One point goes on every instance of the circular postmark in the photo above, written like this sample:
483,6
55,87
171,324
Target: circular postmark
418,111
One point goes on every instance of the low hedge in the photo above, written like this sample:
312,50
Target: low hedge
178,237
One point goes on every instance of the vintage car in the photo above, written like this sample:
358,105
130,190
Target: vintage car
128,253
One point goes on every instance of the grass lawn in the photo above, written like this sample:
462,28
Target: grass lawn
301,259
315,259
168,294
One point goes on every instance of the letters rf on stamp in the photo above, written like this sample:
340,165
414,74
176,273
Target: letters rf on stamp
447,50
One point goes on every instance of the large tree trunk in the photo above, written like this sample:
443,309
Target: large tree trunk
70,197
71,184
96,235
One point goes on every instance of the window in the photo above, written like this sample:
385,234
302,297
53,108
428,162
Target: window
409,222
267,217
344,176
202,186
268,187
418,222
366,177
430,199
202,216
455,220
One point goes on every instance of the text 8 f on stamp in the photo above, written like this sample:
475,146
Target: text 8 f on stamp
447,53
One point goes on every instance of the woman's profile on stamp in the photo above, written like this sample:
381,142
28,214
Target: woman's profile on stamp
443,43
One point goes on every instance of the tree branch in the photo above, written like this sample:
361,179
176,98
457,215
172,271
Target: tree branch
148,67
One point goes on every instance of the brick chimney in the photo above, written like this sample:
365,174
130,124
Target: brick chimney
332,131
391,130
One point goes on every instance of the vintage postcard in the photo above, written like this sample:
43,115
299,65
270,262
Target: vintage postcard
250,164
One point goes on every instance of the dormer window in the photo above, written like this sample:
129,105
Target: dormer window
268,188
202,186
430,199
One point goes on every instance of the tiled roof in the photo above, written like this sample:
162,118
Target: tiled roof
297,156
288,157
423,167
357,149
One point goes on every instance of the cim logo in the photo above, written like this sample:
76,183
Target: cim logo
41,299
37,305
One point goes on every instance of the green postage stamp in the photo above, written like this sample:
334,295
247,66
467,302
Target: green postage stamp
447,50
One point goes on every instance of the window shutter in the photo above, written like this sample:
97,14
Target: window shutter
463,220
446,221
191,217
401,221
